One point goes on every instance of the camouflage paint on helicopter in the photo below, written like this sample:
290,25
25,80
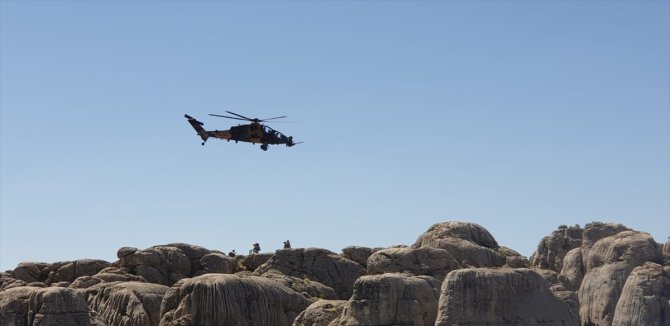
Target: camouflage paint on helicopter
254,132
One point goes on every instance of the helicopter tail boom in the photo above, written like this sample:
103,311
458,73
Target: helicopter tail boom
197,125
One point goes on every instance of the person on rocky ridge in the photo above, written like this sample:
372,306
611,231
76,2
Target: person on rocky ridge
257,248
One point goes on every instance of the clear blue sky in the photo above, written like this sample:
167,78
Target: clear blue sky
519,116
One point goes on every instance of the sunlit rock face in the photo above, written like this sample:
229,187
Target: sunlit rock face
222,299
469,244
485,296
392,299
316,264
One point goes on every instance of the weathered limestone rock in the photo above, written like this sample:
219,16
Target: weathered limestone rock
392,299
317,264
470,244
551,250
129,303
666,249
7,281
31,272
164,264
309,288
225,299
421,261
320,313
218,263
14,305
573,269
595,231
57,306
358,254
253,261
645,299
69,271
609,262
484,296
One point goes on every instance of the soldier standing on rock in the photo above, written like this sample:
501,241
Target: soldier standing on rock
287,244
257,248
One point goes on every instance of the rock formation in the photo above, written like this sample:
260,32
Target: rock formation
129,303
645,299
455,273
553,248
392,299
609,262
422,261
321,313
316,264
358,254
167,264
470,244
222,299
484,296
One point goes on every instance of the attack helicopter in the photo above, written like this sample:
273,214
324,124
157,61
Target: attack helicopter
253,132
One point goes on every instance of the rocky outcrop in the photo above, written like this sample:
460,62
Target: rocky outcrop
321,313
316,264
307,287
421,261
484,296
58,306
67,271
129,303
573,269
14,305
358,254
223,299
392,299
666,250
167,264
553,248
645,299
470,244
609,262
253,261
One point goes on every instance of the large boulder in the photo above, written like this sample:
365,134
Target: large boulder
307,287
321,313
595,231
14,305
392,299
551,250
469,243
129,303
485,296
645,299
225,299
165,264
58,306
421,261
609,262
253,261
358,254
316,264
573,269
31,272
69,271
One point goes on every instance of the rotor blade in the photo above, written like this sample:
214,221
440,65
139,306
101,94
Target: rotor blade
225,116
241,116
274,118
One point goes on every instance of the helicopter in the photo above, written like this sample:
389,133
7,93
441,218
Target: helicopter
254,132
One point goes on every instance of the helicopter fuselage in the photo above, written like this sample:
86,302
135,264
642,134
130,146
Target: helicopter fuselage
255,133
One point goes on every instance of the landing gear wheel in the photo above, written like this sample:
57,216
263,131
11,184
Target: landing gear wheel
264,147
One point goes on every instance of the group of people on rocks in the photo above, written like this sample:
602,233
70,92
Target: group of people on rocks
257,248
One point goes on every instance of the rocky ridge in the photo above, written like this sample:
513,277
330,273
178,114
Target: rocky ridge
455,273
